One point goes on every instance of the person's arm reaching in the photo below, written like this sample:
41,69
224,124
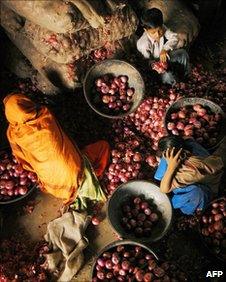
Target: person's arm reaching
173,163
172,41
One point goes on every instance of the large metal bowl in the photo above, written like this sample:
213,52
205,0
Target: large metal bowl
116,68
16,199
209,248
119,243
151,192
192,101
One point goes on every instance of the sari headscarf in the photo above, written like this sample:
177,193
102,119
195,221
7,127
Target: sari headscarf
40,145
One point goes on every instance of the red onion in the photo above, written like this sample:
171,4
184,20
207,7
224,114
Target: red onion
95,220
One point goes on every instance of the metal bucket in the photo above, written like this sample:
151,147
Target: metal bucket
192,101
119,243
150,192
116,68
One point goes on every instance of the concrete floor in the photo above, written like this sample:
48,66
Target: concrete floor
46,209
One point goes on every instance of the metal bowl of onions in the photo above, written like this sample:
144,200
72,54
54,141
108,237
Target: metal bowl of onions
199,118
113,88
120,251
128,261
137,210
16,183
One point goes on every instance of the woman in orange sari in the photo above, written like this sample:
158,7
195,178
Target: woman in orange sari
41,146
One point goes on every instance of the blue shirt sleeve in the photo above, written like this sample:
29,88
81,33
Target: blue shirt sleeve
196,148
161,170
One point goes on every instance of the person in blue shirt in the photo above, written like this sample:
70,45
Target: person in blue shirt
188,171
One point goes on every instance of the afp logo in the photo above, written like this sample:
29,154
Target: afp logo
214,273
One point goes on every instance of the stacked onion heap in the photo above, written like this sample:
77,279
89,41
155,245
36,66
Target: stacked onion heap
127,263
114,93
14,180
139,216
196,121
213,227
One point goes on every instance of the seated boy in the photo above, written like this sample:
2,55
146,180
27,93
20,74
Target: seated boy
158,42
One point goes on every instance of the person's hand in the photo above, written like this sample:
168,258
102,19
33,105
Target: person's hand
163,56
173,160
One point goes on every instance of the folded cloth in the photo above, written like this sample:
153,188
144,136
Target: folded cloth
66,238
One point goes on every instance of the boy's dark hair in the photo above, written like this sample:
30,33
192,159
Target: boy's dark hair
152,18
171,141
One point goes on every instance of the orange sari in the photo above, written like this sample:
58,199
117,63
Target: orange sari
40,145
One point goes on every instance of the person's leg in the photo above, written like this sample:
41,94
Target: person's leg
180,58
98,154
168,78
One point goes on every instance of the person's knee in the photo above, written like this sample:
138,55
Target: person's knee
104,145
180,53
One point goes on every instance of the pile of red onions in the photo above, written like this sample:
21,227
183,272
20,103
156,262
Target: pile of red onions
127,263
136,140
149,117
18,262
139,217
204,84
129,157
14,180
115,92
213,226
196,121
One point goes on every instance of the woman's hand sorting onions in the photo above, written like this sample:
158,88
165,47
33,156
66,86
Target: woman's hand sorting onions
139,217
115,93
213,227
14,180
196,121
127,263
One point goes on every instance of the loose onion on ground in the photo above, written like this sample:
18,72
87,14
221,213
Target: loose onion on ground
213,227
